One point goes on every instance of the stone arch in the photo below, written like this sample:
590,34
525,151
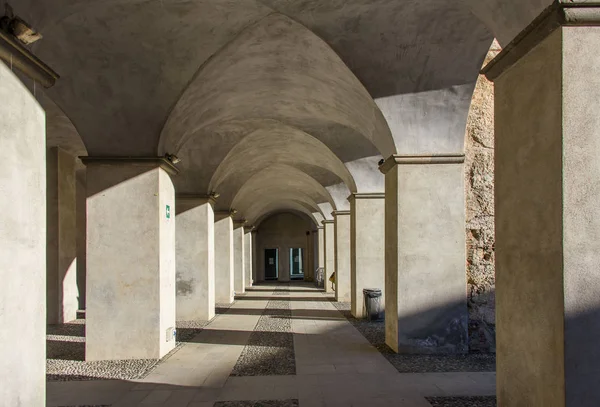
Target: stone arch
279,183
278,144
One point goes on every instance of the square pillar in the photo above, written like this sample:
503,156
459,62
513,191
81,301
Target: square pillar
321,248
342,255
23,248
248,258
239,257
81,198
195,249
130,297
308,268
329,249
547,212
61,257
425,277
254,258
367,239
223,257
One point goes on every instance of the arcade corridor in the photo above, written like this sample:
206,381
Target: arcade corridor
285,342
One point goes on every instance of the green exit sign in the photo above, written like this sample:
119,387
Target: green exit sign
168,212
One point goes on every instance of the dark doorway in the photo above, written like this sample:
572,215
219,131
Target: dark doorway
271,264
296,264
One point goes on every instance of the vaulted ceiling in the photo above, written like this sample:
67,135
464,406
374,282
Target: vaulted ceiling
304,96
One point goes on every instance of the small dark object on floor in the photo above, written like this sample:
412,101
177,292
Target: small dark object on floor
259,403
476,401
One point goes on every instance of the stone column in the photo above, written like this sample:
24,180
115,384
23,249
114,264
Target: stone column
223,257
329,249
195,249
130,297
239,257
425,278
61,256
547,194
248,249
342,255
23,248
367,239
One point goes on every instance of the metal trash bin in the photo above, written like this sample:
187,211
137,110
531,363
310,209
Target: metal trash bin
373,307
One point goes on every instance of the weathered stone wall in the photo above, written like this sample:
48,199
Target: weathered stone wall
479,185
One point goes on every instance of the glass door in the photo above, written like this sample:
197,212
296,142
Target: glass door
296,264
271,264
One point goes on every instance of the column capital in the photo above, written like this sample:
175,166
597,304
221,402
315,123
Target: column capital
366,195
249,228
398,159
326,221
339,213
238,223
196,198
161,162
570,13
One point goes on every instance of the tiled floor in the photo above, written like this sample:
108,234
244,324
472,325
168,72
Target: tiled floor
335,366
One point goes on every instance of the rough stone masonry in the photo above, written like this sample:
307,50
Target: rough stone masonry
479,185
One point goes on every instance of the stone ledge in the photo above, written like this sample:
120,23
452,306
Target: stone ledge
161,162
394,160
366,195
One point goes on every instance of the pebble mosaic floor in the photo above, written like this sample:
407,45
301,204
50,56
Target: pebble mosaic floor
270,348
476,401
259,403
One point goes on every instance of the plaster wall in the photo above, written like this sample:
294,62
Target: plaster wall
426,309
130,262
547,228
23,249
195,250
342,256
248,259
367,239
223,258
239,254
282,231
61,253
329,248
